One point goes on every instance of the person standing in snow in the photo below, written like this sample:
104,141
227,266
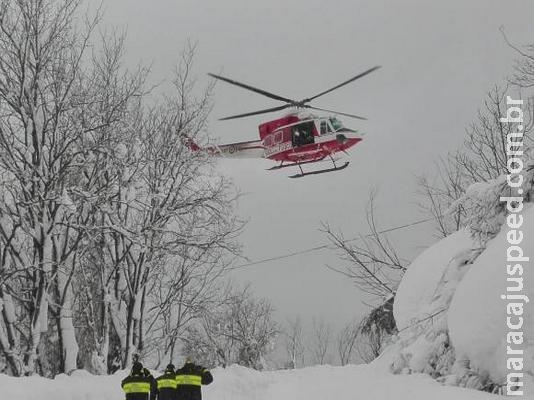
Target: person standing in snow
189,380
153,384
166,384
137,386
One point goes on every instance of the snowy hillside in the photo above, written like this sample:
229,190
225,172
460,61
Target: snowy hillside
451,317
239,383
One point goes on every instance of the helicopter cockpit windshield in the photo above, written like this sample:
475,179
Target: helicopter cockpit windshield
329,125
336,124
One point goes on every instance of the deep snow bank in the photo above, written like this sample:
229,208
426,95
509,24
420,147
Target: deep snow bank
423,280
448,308
421,306
239,383
477,315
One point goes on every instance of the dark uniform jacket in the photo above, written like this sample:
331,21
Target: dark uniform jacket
189,378
166,386
153,385
137,387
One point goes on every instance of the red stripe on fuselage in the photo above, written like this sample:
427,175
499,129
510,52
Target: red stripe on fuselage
312,151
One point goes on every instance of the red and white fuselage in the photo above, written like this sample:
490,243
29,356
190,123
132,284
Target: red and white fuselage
293,139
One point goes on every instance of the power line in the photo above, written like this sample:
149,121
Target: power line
326,246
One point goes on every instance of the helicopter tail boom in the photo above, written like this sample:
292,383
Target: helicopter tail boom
249,149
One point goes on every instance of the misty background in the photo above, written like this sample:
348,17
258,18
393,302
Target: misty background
438,60
122,244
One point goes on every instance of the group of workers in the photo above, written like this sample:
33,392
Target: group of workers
182,384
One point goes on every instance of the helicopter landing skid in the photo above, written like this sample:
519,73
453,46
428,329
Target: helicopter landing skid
322,171
293,164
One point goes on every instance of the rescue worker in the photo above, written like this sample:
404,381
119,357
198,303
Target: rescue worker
166,384
137,386
189,378
153,384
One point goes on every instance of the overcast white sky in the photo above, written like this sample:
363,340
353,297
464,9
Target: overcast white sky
438,60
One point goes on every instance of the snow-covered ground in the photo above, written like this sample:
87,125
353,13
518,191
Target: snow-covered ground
239,383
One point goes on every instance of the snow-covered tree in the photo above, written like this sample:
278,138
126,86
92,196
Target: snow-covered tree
100,198
294,343
320,341
346,341
167,231
58,109
240,329
482,158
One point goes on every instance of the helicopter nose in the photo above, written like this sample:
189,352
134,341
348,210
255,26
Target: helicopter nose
341,138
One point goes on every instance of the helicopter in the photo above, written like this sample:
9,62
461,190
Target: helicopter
297,138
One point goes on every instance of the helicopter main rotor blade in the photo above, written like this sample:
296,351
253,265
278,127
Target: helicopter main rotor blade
335,112
267,110
341,84
248,87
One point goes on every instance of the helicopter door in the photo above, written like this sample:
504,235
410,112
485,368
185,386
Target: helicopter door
302,134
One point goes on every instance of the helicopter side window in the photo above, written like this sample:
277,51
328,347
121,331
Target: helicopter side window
302,134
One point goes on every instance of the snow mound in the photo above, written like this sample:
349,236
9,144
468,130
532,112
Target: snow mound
425,276
79,386
420,309
451,318
239,383
477,315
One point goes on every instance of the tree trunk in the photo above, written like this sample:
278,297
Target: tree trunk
67,334
9,344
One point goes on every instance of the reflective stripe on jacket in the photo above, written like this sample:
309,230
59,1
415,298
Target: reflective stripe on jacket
195,380
166,383
136,387
166,386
